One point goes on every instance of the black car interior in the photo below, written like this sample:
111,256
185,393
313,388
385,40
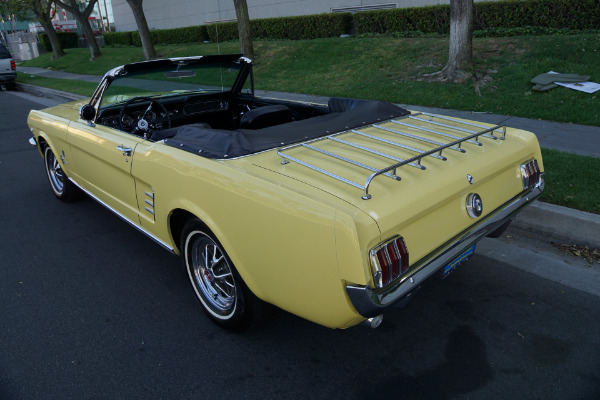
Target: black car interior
220,111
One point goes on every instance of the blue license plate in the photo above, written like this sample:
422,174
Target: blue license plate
464,256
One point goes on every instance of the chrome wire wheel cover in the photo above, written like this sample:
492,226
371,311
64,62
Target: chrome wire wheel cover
55,172
211,274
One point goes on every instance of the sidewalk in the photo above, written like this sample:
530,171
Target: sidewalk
550,221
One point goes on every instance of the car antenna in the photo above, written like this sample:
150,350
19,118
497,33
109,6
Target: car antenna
217,29
218,44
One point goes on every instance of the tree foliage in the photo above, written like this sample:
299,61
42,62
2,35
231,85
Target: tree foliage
41,9
17,8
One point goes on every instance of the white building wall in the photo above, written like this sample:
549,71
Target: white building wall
162,14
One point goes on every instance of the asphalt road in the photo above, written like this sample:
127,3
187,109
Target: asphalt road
91,309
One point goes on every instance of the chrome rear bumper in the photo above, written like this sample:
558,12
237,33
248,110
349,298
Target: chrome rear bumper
370,302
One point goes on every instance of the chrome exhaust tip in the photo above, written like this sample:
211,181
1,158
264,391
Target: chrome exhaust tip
373,322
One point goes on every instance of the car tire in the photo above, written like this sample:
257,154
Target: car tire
62,187
11,86
217,285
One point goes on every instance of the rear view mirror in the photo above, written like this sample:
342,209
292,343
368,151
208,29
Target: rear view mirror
180,74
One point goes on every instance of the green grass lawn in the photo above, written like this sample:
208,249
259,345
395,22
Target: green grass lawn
572,181
67,85
393,69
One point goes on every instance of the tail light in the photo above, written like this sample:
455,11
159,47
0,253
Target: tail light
13,66
530,173
389,260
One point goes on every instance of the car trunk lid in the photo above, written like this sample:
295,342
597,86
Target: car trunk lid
413,174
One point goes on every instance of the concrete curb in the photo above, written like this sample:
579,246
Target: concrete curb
47,92
561,223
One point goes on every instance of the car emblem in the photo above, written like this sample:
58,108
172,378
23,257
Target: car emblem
470,179
474,205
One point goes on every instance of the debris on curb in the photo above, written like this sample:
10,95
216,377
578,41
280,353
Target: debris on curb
590,255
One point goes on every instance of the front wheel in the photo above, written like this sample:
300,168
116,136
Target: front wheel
218,287
62,187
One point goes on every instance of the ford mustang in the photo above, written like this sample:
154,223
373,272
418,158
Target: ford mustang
334,212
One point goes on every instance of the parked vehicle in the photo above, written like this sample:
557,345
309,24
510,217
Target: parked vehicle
8,69
333,212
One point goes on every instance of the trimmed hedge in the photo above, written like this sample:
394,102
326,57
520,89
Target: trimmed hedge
571,14
430,19
223,31
68,40
494,17
188,34
291,28
302,27
118,38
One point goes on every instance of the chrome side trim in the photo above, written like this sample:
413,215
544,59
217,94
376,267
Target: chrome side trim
370,302
150,203
133,224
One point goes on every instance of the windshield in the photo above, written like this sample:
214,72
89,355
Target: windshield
174,79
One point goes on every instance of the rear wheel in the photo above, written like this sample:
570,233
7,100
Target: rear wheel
62,187
218,287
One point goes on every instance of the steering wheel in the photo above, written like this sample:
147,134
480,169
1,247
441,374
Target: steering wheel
142,125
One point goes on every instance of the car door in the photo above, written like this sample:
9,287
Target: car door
102,158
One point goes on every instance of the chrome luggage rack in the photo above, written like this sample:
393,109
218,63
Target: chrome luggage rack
472,136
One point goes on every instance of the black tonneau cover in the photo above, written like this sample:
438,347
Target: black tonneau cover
220,144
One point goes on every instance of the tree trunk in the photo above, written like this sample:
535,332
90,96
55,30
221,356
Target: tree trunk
460,55
243,19
41,10
90,37
82,18
53,37
142,24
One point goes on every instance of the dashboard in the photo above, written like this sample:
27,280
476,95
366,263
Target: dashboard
164,113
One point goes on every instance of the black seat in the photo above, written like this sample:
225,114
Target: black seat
263,117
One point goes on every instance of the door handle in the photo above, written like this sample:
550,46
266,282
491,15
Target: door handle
125,150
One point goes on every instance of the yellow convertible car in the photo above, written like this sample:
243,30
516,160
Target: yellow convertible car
334,212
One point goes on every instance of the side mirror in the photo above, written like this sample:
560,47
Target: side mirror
87,112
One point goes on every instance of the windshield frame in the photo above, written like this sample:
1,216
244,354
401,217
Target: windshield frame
245,67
